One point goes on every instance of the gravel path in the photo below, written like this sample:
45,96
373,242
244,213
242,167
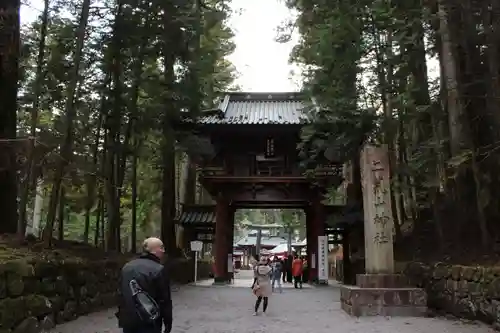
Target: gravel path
229,310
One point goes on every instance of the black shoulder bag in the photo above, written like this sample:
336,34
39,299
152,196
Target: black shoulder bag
145,306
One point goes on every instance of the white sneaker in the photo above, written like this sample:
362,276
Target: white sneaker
255,313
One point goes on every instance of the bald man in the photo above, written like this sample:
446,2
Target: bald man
153,279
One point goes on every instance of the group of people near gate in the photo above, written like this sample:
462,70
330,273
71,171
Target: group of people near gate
269,273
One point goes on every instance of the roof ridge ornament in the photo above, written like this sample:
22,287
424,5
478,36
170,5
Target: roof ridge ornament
223,105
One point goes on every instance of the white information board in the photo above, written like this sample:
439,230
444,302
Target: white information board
196,246
230,263
323,258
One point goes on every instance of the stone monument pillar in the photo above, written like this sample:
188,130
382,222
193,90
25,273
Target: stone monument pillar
379,291
378,219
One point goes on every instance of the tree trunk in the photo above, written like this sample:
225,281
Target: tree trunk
168,191
99,219
9,76
456,112
60,218
168,140
70,112
39,75
190,183
113,217
92,178
34,229
113,121
460,141
180,178
133,232
492,27
131,131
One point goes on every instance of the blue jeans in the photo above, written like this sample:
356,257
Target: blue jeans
277,279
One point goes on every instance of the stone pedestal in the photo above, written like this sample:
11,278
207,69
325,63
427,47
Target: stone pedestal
383,295
380,292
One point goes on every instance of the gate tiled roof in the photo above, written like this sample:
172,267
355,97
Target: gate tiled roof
257,108
197,215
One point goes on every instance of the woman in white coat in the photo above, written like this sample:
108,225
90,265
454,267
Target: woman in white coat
262,287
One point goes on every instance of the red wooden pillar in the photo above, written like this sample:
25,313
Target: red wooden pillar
230,236
230,229
221,247
309,249
317,229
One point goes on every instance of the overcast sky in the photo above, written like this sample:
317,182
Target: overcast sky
262,62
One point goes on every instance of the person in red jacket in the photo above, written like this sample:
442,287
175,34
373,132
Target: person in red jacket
297,266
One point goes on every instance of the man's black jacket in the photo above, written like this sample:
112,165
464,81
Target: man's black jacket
151,275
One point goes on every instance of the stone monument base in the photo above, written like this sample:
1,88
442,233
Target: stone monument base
383,295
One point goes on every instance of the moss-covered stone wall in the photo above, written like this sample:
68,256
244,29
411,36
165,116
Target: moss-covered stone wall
36,294
464,291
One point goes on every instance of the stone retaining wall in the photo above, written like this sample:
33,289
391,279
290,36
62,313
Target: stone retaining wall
36,294
464,291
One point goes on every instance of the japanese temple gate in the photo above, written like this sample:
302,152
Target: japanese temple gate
255,164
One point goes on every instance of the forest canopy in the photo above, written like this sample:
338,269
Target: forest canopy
366,63
101,85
